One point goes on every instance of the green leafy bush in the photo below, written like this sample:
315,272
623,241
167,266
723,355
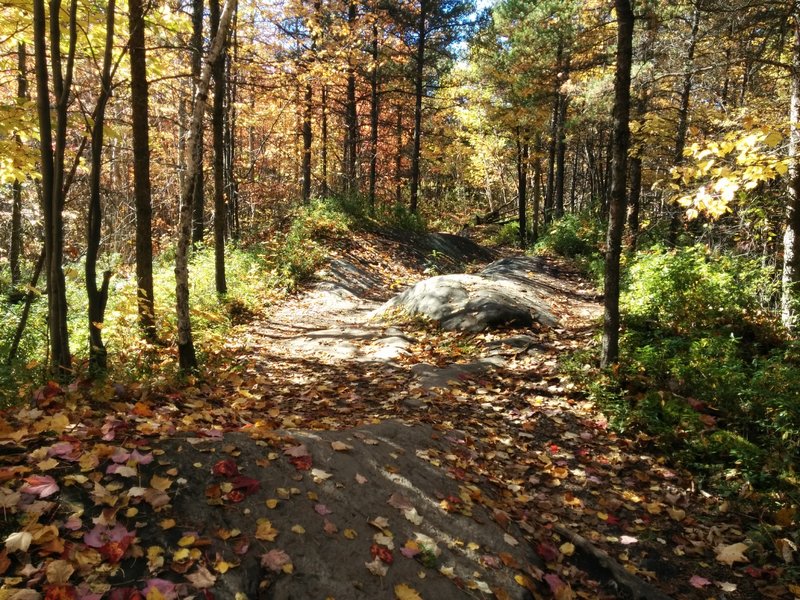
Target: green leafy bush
571,236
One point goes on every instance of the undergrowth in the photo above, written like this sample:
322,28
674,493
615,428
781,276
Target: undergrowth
705,374
257,275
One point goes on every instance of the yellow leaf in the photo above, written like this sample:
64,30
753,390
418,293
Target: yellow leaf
350,534
567,549
160,483
187,540
773,139
404,592
181,555
265,531
731,554
167,523
272,503
298,529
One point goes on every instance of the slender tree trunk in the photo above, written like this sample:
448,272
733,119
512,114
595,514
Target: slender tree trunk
683,118
26,309
373,120
537,190
522,188
140,98
187,358
98,297
561,140
52,167
231,184
218,134
15,247
198,202
324,142
398,159
419,90
616,220
307,139
790,278
635,199
351,115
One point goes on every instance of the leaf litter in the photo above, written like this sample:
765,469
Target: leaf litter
93,478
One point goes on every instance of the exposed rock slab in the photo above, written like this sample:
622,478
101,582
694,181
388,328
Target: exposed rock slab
330,511
505,293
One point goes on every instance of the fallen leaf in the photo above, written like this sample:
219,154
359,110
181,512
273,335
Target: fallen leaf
298,529
341,446
699,582
58,572
202,578
275,560
377,567
731,554
404,592
19,540
40,486
265,531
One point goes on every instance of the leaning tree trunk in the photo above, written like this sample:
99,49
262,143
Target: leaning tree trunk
790,278
419,88
619,148
218,134
98,360
140,133
187,358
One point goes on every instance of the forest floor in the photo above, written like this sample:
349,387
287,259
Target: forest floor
314,382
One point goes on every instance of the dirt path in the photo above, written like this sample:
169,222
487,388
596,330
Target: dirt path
546,453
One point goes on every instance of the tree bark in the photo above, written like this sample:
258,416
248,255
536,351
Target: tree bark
419,90
15,247
324,151
561,140
373,120
398,158
351,115
198,202
218,135
790,278
522,188
537,190
98,297
635,200
619,148
26,309
140,133
187,359
52,150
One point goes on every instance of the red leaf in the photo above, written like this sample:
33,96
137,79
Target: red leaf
381,552
301,463
247,485
225,468
548,552
40,486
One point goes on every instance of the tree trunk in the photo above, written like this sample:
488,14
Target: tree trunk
398,159
373,120
683,118
218,134
522,188
140,131
324,151
619,148
351,115
187,358
419,89
15,247
790,278
52,168
561,140
98,297
231,185
26,309
537,190
307,139
634,200
198,201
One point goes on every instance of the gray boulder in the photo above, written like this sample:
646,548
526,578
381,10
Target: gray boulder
505,293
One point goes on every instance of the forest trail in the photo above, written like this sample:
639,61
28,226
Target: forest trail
327,454
545,452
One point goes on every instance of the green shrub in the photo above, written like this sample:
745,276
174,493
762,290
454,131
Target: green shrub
571,236
507,235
